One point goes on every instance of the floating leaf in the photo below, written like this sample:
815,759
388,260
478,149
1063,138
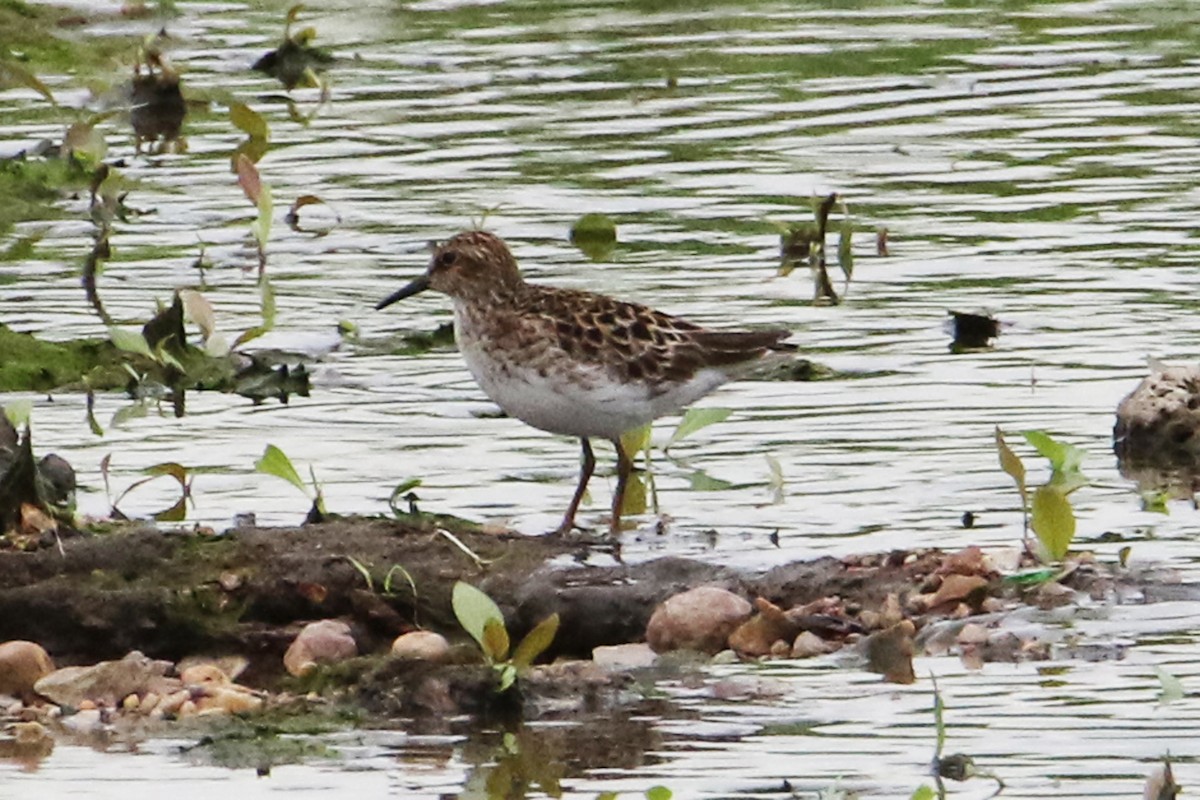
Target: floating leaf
536,642
923,792
658,793
1052,520
1172,687
473,609
595,235
776,472
693,420
249,121
495,641
130,341
275,462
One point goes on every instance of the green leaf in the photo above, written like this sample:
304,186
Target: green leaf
1172,687
1065,461
1033,577
636,440
392,570
495,640
923,792
536,642
267,292
607,796
250,122
1053,520
362,570
939,720
658,793
11,72
695,419
845,252
474,609
130,341
508,676
1011,463
261,228
176,513
18,412
274,462
176,471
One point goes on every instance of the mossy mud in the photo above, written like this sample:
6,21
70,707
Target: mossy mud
247,592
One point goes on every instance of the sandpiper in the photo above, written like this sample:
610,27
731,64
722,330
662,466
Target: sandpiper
577,363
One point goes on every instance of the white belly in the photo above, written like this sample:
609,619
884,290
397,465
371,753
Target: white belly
572,398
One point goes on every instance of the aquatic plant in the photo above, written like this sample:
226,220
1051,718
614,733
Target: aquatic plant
1048,511
481,618
275,462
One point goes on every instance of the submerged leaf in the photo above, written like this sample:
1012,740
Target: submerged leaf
1053,520
275,462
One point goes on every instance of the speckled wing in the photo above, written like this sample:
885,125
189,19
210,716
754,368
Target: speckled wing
637,343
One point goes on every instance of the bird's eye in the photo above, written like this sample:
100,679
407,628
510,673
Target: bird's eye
447,259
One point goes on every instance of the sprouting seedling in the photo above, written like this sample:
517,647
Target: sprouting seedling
481,618
275,462
387,584
1048,512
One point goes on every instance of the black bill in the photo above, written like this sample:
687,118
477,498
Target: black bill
416,287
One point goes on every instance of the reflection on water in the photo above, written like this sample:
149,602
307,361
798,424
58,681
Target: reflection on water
1034,161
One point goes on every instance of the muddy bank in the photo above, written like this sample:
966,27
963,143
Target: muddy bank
247,592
